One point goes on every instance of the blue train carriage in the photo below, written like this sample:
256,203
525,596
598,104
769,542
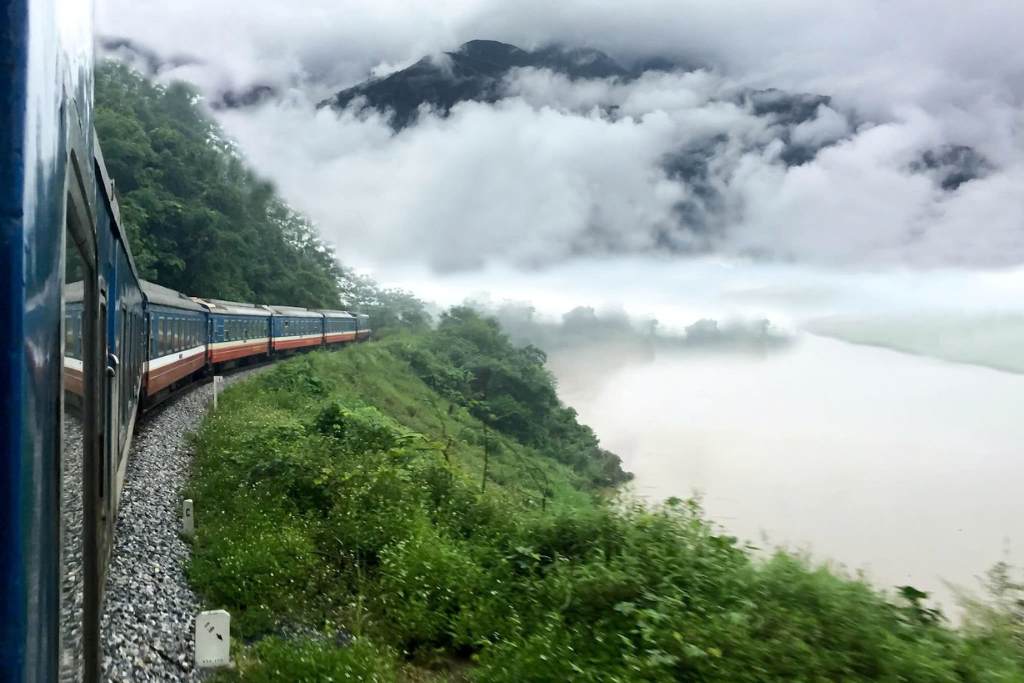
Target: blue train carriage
177,341
122,307
295,328
58,227
339,327
237,331
362,326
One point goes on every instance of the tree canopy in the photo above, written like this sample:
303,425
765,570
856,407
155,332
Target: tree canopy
470,361
198,218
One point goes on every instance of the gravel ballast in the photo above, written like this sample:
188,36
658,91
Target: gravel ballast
149,611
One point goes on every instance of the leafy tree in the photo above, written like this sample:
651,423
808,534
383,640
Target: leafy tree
390,309
198,218
471,361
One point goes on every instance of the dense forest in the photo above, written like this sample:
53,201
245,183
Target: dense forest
201,221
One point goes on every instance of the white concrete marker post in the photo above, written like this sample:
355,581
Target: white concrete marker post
213,639
218,381
188,520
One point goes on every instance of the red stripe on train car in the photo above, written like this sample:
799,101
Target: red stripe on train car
286,343
337,337
163,377
73,381
225,354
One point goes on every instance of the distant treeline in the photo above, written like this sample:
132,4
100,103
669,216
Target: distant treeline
583,326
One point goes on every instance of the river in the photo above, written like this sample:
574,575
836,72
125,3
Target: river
902,466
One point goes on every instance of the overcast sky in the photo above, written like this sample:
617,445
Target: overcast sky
546,186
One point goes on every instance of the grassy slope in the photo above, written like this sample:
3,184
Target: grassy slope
327,508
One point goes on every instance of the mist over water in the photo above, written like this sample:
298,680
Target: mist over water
906,467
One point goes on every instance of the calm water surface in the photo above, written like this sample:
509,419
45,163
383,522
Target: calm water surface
909,468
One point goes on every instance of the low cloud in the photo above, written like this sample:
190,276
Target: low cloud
677,163
671,163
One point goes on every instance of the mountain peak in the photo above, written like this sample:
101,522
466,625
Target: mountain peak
473,72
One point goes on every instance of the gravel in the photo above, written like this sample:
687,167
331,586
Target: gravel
72,516
149,613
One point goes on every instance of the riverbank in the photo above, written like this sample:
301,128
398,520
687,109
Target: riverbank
346,521
897,465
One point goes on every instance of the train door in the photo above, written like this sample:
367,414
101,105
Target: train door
82,441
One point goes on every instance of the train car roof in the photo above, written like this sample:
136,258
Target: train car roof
109,194
335,314
224,307
295,311
165,296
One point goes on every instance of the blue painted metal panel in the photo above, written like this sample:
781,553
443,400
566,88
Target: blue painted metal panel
45,68
13,611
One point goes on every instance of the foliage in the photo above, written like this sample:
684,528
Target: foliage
313,661
337,507
198,219
390,309
470,361
1000,613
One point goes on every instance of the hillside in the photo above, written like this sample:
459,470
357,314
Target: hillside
198,218
365,515
473,72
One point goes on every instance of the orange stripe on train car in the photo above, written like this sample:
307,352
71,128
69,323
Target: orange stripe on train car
161,378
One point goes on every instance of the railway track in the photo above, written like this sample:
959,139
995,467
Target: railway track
149,611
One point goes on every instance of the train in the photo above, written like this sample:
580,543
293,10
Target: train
85,345
169,340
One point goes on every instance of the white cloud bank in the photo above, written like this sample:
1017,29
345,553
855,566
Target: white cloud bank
548,174
563,168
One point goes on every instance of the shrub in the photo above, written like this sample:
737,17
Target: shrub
329,508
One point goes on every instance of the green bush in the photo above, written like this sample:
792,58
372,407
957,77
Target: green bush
327,504
275,660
